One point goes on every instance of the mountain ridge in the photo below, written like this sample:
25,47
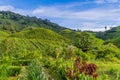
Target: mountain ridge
13,22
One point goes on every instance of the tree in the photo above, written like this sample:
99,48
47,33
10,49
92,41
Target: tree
83,41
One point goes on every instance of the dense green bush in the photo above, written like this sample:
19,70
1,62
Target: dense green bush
58,69
84,41
35,71
3,72
14,70
21,62
108,52
70,52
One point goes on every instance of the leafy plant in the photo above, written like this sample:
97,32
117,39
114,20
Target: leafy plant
83,41
82,71
35,72
14,70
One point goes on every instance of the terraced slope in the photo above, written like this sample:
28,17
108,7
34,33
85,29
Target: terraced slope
40,33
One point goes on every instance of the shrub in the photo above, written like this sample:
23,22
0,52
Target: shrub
21,62
82,70
14,70
3,72
58,51
70,51
35,72
84,41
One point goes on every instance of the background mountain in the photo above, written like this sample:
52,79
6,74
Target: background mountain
13,22
110,36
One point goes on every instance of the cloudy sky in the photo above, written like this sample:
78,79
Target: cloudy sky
74,14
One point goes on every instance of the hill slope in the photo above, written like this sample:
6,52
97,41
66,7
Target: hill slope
13,22
110,34
42,40
40,33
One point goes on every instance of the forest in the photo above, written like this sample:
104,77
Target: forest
35,49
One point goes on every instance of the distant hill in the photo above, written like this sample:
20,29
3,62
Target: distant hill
109,34
13,22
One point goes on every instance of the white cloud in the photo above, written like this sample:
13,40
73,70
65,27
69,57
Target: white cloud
96,26
92,14
112,1
100,1
106,1
48,12
6,8
13,9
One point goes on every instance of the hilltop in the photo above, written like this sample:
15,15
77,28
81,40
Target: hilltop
13,22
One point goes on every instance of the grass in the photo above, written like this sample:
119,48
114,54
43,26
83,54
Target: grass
108,70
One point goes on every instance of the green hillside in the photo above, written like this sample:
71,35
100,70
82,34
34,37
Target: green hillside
81,39
36,49
17,47
41,33
3,34
13,22
109,34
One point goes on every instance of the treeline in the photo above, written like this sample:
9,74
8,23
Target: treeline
13,22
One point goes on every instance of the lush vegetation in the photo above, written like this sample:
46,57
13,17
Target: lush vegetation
12,22
36,49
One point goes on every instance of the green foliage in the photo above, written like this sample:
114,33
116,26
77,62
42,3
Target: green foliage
5,62
70,52
27,48
83,77
83,41
58,51
41,33
110,71
115,41
35,72
12,22
108,52
14,70
68,34
58,68
109,34
21,62
3,72
3,34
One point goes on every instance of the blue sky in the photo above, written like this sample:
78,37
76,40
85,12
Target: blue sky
83,14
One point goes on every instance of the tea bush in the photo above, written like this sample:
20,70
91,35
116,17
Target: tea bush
14,70
35,72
